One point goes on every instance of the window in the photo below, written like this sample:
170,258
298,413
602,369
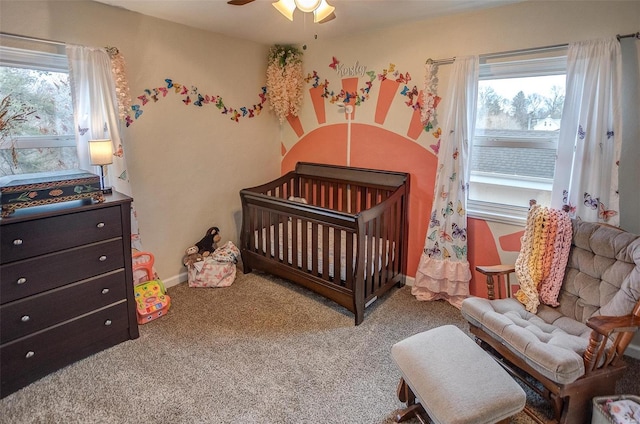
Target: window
516,137
37,84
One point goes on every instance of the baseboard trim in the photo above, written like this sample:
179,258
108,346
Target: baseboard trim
175,280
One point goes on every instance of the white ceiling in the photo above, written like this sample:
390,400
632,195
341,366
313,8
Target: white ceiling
260,22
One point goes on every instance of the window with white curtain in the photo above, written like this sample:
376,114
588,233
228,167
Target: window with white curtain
34,86
516,137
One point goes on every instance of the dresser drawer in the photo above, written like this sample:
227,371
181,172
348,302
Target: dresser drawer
31,276
26,316
26,359
22,240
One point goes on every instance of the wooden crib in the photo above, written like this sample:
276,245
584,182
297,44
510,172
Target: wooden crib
339,231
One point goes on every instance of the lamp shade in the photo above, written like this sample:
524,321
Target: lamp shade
101,152
322,12
286,7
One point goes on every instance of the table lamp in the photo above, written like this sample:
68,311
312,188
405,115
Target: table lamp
101,154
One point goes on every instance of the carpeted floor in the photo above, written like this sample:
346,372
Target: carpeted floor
260,351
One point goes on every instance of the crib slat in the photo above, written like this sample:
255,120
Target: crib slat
349,268
386,246
305,244
377,255
325,252
398,234
314,249
369,260
295,246
337,256
393,242
285,223
260,228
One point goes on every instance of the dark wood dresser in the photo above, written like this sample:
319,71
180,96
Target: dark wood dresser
66,286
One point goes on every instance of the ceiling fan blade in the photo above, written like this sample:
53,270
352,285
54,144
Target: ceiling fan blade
239,2
328,18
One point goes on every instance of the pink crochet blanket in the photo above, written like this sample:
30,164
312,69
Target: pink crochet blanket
543,257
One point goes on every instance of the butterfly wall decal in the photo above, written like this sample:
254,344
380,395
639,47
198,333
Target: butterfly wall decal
137,111
435,147
334,63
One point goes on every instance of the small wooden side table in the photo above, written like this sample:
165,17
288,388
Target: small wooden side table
497,270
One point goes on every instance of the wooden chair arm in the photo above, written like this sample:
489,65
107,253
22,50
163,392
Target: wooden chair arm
489,271
606,325
605,348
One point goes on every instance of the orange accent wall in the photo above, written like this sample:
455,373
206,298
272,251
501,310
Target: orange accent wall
482,250
375,147
511,242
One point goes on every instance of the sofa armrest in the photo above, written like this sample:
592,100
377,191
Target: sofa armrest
609,338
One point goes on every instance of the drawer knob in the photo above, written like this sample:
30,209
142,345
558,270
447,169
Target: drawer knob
17,242
100,225
25,318
102,258
105,291
29,354
21,280
107,322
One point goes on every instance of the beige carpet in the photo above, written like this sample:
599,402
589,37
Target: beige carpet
260,351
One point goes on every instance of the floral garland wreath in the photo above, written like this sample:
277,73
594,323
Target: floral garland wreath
284,81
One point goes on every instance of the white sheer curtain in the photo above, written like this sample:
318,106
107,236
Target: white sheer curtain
443,271
96,115
586,177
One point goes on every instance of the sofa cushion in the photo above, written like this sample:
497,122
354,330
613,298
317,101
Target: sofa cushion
549,342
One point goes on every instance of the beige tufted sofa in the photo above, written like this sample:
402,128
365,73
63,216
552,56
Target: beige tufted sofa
574,350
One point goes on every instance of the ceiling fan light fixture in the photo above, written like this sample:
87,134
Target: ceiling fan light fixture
286,7
322,12
308,5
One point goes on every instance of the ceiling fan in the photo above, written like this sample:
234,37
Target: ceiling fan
322,11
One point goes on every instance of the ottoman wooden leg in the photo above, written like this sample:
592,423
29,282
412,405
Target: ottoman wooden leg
413,409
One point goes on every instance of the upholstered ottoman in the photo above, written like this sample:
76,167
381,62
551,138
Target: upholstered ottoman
454,380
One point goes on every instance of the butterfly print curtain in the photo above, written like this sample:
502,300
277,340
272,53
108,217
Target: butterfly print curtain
443,271
95,107
586,177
